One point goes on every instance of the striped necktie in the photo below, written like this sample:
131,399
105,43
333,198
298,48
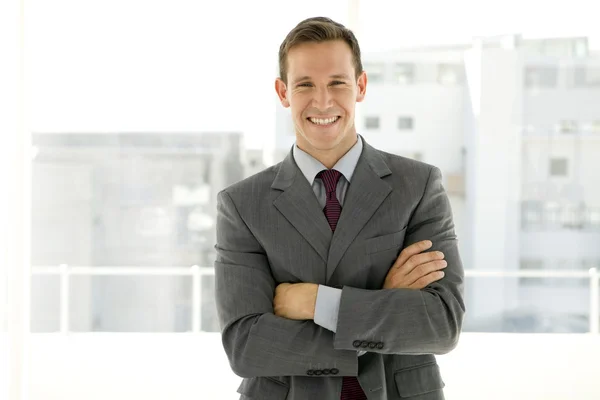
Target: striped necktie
351,389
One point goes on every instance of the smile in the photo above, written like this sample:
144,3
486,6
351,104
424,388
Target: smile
324,121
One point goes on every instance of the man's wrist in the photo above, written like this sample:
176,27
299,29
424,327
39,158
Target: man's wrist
312,292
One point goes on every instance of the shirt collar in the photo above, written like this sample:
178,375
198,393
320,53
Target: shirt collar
311,167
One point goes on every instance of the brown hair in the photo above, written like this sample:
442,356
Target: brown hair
318,29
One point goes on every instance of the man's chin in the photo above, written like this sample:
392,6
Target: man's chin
324,135
325,142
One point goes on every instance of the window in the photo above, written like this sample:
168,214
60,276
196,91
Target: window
531,214
372,122
405,123
593,219
568,126
580,48
595,128
531,265
375,72
450,74
558,167
552,214
404,73
541,77
587,76
587,264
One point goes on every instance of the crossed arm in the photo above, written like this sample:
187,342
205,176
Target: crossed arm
274,334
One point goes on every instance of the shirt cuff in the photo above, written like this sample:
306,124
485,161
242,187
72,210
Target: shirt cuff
327,307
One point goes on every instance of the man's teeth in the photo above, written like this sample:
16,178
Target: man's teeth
320,121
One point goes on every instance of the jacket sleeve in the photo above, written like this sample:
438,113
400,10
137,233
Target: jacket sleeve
256,341
409,321
327,309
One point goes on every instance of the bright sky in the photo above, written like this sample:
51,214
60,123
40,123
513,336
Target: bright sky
189,65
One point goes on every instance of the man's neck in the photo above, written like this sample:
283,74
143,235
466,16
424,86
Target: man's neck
329,157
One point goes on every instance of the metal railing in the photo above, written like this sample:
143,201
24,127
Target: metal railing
592,274
196,272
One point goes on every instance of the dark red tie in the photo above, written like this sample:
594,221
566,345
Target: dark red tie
351,389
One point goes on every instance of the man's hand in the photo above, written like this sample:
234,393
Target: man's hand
295,300
413,270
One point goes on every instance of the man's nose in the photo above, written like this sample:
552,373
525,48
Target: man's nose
322,99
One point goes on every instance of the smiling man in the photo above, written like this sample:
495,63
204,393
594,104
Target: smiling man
337,273
320,84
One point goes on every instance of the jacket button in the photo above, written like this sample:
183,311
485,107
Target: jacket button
335,371
318,372
372,345
380,345
310,372
364,344
326,371
356,343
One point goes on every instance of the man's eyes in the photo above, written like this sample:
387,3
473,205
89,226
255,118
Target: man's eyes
307,84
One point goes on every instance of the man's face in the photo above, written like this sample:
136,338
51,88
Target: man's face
322,91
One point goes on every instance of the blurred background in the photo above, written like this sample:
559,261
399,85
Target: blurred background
123,119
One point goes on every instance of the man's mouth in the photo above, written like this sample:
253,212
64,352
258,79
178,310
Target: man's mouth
324,121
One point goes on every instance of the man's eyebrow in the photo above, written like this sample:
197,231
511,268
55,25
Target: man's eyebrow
336,76
302,78
341,76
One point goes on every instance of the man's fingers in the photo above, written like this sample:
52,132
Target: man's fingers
425,269
417,260
427,280
412,250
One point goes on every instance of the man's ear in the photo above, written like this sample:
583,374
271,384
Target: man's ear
362,87
281,89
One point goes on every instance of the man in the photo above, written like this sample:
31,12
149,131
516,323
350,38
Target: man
324,287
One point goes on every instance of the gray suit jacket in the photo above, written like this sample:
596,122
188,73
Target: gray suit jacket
270,229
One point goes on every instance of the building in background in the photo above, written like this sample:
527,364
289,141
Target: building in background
514,125
532,192
135,199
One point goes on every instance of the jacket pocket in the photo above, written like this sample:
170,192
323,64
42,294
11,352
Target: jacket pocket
385,242
263,387
419,380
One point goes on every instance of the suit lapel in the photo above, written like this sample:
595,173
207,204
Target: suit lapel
299,205
365,194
